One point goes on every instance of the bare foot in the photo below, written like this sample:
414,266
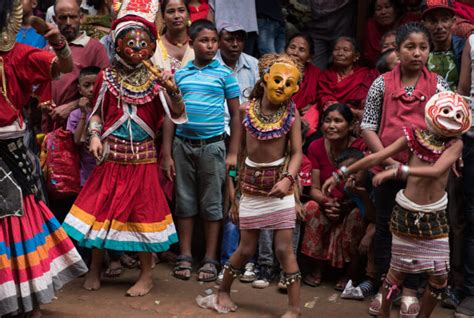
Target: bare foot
142,287
292,313
92,281
225,302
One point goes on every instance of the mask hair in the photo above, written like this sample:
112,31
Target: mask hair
6,8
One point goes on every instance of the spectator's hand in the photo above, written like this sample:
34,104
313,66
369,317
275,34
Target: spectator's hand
234,212
457,167
364,245
351,186
328,185
52,35
300,211
95,147
167,165
230,161
84,102
383,176
280,189
333,210
61,112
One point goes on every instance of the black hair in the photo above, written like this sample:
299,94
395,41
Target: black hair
6,8
352,41
89,70
404,31
164,4
124,31
395,4
349,153
306,37
342,109
95,3
382,65
200,25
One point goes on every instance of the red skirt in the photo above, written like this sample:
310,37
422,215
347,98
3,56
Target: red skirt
36,258
122,207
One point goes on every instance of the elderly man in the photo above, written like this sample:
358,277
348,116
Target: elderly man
85,52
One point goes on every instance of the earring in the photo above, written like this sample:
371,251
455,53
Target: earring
189,23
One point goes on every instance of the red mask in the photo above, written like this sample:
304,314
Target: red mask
448,114
135,46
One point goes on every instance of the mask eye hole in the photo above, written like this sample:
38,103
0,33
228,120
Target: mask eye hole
445,111
277,80
143,44
458,115
131,43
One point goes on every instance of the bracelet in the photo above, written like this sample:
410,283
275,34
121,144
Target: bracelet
344,171
175,93
336,177
288,175
402,172
94,133
233,173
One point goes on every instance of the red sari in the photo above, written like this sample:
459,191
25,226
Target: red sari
351,90
307,95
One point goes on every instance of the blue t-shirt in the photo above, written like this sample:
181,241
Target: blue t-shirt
205,91
28,36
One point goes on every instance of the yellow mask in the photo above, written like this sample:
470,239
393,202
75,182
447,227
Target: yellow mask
281,82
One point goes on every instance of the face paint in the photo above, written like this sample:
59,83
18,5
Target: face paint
135,46
281,82
448,114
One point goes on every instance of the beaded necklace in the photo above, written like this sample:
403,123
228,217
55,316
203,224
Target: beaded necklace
137,87
266,127
425,145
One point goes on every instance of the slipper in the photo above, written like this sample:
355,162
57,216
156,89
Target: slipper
112,272
181,265
209,266
210,302
466,307
407,301
372,311
312,280
341,284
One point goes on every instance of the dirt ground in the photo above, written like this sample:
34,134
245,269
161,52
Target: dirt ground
175,298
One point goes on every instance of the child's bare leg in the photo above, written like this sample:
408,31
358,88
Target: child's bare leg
390,288
433,292
245,251
92,281
291,272
145,281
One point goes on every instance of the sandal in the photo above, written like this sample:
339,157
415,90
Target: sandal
183,263
128,261
372,310
209,266
341,284
312,280
114,269
407,301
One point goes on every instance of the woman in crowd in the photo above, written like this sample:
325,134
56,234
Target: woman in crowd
333,230
396,99
199,9
172,49
384,15
301,47
345,81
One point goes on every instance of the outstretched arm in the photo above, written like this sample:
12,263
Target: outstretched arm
371,160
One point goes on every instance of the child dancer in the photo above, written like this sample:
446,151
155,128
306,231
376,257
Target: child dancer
272,126
122,206
419,222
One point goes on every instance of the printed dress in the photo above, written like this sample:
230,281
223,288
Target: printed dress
36,255
122,206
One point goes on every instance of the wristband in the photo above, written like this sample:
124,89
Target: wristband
288,175
344,171
233,173
402,172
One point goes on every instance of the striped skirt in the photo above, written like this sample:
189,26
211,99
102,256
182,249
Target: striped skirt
36,258
259,212
122,207
411,255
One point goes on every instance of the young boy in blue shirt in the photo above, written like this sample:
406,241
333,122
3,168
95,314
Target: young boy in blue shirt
200,159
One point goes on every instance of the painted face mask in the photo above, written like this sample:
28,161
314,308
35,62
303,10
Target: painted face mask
135,46
281,82
447,114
